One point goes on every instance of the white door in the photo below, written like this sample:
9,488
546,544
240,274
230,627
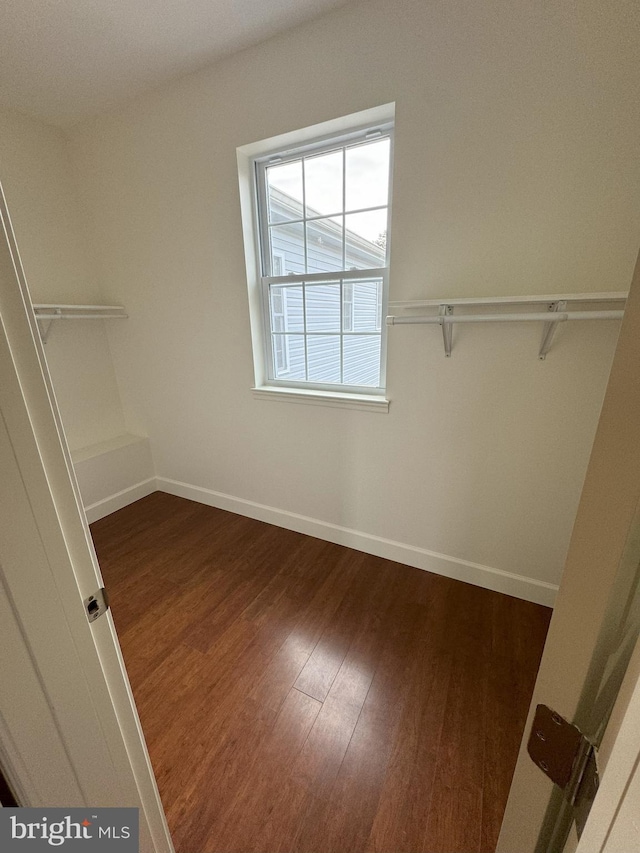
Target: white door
69,731
596,621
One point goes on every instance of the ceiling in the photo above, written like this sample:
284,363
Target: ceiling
66,60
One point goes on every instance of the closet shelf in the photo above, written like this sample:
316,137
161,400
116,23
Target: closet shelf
46,313
555,313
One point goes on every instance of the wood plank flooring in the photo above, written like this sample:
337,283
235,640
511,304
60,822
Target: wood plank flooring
298,696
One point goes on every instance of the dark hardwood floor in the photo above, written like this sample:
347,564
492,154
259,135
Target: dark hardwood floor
300,696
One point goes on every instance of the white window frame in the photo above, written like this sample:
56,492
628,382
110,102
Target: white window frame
348,326
252,158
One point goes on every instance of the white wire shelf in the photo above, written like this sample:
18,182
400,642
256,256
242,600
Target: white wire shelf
556,312
606,296
46,313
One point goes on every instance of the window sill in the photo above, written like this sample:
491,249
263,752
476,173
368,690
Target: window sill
334,399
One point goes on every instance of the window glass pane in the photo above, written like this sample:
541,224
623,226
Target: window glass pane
287,248
323,184
323,307
284,191
363,303
287,308
361,356
367,177
366,239
288,356
324,245
323,358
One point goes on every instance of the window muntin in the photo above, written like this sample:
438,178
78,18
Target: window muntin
323,220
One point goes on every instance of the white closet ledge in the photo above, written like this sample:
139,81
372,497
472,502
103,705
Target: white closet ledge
80,454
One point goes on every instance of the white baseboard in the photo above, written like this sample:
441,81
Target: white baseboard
114,502
518,586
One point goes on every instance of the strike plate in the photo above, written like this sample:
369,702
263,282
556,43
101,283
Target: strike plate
96,604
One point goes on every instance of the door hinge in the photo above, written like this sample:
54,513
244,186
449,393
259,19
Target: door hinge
96,604
568,758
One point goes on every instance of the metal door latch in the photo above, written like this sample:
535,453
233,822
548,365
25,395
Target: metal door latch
96,604
565,755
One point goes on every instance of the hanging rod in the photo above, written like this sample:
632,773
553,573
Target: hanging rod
555,314
49,312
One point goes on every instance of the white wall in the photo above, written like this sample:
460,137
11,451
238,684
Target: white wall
37,178
516,172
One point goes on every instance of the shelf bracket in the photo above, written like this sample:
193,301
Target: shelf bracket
549,329
45,327
447,328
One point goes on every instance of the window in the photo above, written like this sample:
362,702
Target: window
323,225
